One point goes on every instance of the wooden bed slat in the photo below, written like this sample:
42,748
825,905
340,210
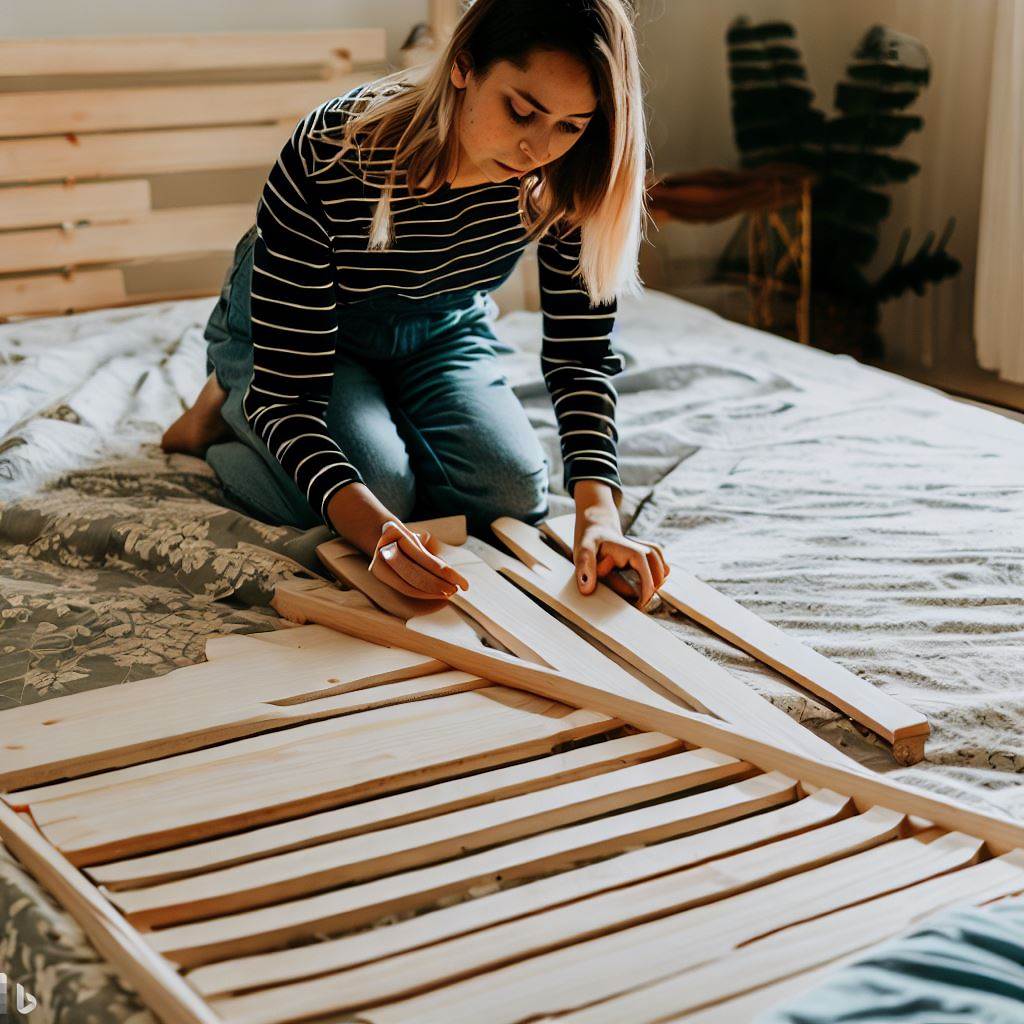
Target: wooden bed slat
56,293
615,963
257,930
401,847
167,106
194,706
489,910
311,602
387,812
127,54
152,235
539,933
33,206
722,615
647,644
807,945
316,767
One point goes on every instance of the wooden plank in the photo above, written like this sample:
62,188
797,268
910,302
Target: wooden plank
125,54
107,155
854,696
397,809
304,602
270,927
167,106
803,946
539,933
317,766
150,236
195,706
33,206
645,643
163,990
669,855
744,1007
606,966
387,851
57,293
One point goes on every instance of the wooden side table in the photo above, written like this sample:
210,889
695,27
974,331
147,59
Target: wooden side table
761,192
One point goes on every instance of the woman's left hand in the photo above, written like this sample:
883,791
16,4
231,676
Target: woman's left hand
600,549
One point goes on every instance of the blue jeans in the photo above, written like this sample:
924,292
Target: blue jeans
418,403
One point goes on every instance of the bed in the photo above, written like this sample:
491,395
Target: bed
876,519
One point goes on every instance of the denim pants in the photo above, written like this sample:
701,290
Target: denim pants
418,404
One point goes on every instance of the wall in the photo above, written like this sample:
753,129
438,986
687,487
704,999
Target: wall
683,51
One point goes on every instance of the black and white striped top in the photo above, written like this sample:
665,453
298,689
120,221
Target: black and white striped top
310,260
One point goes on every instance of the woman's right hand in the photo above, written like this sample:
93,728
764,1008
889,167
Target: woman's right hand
408,562
405,560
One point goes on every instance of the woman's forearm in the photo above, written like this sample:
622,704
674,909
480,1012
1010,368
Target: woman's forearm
357,515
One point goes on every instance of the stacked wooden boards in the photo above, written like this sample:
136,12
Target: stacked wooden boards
84,166
491,819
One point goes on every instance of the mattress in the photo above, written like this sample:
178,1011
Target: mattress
875,519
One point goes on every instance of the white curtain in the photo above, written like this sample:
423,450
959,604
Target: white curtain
999,289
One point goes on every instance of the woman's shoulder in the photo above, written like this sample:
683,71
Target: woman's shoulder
329,119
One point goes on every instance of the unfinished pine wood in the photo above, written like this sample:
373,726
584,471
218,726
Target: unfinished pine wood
124,54
306,602
606,966
194,706
315,766
670,855
149,236
901,726
809,945
163,990
106,155
168,106
270,927
48,293
401,847
643,642
386,812
35,206
560,927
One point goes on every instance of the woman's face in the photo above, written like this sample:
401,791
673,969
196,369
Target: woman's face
513,121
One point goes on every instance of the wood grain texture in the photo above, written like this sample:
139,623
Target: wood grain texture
270,927
855,697
463,918
560,927
645,643
194,706
315,602
809,945
315,766
612,964
401,847
385,812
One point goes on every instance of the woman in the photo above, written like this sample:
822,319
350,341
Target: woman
354,379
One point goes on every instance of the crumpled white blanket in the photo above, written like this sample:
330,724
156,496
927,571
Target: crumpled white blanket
877,520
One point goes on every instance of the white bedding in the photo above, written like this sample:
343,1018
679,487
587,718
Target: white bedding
875,519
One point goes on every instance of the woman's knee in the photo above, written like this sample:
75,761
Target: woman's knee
503,489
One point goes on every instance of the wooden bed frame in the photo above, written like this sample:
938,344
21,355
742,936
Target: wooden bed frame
473,813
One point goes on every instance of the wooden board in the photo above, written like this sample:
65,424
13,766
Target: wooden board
901,726
316,766
197,705
645,643
125,54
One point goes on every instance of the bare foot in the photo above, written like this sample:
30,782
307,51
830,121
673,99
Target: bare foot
202,425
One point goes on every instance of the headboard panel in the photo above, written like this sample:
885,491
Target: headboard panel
78,165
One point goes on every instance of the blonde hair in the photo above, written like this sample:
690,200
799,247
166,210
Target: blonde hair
598,185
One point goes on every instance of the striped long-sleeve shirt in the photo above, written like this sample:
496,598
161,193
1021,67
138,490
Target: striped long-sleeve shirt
310,261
